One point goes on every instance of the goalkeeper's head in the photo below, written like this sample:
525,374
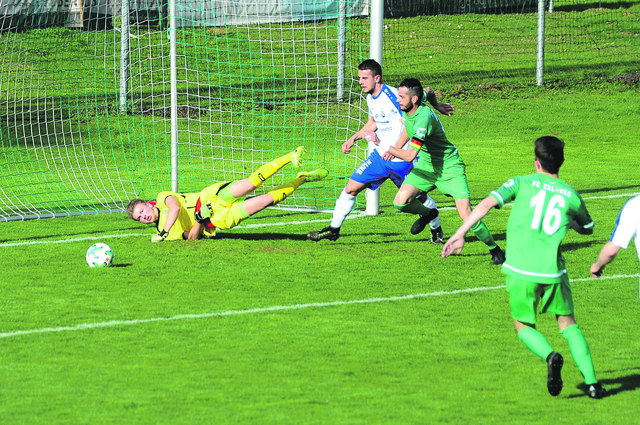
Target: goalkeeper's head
142,211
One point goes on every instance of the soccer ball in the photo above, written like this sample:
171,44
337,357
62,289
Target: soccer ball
99,255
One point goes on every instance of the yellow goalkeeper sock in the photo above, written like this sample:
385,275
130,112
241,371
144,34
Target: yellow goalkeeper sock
280,193
270,168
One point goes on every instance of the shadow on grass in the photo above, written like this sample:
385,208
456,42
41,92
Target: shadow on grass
424,237
574,246
614,386
496,237
261,236
609,189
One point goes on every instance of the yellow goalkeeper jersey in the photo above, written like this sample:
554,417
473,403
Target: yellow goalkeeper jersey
187,203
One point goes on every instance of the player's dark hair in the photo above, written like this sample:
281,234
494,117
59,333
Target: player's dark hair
549,151
414,87
371,65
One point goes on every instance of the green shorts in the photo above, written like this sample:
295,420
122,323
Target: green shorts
450,178
527,298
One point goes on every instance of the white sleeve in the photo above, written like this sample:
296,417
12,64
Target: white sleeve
627,224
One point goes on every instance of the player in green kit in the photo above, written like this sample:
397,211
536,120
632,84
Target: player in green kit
439,164
544,208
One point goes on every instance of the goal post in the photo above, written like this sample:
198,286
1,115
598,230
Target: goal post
376,37
97,115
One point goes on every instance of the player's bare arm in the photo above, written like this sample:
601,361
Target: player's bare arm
402,141
444,108
456,242
607,255
194,233
367,128
405,154
174,209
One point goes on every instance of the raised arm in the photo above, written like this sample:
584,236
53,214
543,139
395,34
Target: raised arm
444,108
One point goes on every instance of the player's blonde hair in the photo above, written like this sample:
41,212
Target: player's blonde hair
132,205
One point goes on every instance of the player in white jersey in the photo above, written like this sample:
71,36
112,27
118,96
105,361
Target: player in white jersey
627,228
385,121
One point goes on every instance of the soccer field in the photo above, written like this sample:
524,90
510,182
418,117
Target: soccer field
261,326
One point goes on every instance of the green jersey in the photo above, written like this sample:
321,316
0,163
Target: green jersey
543,208
428,137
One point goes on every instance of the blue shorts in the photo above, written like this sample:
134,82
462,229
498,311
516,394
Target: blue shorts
374,171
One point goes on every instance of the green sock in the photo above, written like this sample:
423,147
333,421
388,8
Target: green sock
482,232
580,353
535,341
413,207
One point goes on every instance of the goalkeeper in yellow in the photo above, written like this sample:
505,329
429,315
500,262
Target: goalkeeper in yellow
219,206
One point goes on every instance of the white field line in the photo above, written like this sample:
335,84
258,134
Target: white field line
247,226
277,308
84,238
126,235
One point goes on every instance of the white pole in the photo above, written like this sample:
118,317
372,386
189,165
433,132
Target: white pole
342,47
375,52
124,54
174,95
540,64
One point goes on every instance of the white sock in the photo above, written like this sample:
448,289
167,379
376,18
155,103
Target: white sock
344,205
430,203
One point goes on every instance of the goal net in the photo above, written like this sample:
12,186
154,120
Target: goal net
103,100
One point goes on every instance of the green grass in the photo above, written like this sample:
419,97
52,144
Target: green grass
261,326
265,344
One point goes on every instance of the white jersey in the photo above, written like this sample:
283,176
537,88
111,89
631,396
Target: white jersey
386,112
628,225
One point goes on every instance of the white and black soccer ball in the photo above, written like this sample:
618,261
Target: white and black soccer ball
99,255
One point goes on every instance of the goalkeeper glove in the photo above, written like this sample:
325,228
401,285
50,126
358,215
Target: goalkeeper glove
160,237
204,214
